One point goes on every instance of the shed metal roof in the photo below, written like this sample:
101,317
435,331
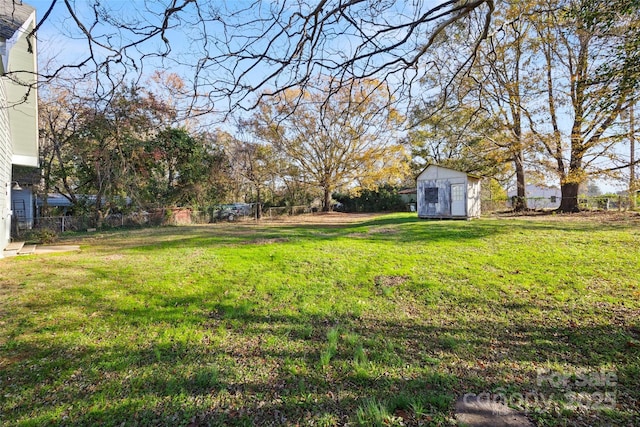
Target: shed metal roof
472,175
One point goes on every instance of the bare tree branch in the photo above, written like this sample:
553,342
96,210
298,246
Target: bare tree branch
240,53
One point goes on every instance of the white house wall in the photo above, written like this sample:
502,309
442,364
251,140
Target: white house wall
5,173
23,113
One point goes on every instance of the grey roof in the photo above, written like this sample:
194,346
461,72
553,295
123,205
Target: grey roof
469,174
13,13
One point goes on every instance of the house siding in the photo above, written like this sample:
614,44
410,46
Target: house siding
5,172
23,113
18,104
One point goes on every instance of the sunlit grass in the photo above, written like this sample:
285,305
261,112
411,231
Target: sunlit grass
388,319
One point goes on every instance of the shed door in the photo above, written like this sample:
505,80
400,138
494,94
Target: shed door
458,206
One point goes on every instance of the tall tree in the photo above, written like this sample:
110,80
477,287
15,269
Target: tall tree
347,141
458,137
58,120
101,154
579,45
506,82
475,121
179,168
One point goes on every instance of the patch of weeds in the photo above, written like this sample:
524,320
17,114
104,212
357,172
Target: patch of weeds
439,402
205,379
400,401
304,331
360,356
419,404
331,349
387,284
363,369
327,420
448,342
273,341
432,361
11,344
295,367
387,291
375,413
418,409
41,236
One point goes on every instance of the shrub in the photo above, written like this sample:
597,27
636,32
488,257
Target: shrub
41,236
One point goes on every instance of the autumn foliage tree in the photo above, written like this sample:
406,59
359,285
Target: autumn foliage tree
591,72
348,141
106,155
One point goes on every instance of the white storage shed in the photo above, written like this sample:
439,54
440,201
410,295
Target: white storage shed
447,193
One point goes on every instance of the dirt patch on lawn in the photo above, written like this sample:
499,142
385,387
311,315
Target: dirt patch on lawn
337,218
389,281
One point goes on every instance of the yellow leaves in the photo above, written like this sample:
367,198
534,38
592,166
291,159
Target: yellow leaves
574,176
387,165
171,81
339,137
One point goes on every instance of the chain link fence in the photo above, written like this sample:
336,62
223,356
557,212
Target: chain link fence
591,203
157,217
279,211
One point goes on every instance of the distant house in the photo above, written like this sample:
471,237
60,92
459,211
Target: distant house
447,193
539,196
18,103
408,197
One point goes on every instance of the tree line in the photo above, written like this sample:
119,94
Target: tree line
133,151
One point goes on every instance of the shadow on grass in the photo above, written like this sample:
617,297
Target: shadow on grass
399,229
192,361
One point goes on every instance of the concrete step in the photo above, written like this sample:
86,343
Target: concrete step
27,250
13,248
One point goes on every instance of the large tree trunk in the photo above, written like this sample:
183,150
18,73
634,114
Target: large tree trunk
520,202
569,202
326,202
259,202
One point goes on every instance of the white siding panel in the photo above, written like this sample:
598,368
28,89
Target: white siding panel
437,172
23,114
5,172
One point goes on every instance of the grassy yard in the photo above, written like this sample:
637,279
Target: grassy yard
385,321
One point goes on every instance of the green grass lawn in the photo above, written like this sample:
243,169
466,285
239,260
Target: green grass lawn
386,321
